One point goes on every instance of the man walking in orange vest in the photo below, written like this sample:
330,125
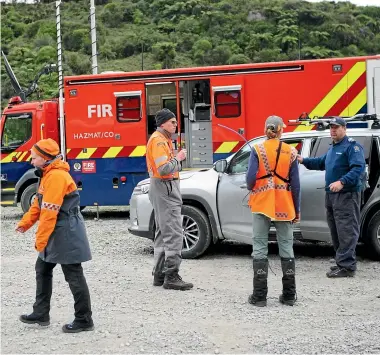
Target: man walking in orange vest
165,196
273,180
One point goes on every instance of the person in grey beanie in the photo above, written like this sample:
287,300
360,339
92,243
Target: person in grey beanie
165,196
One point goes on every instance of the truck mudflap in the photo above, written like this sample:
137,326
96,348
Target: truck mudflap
8,197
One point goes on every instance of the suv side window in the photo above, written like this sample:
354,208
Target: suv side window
321,147
296,143
324,143
239,163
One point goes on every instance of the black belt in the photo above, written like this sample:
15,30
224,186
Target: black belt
169,179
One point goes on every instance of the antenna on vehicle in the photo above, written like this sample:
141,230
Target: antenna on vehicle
14,82
232,130
24,93
323,122
94,53
60,80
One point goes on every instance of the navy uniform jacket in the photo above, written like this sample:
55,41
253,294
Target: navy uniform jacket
344,161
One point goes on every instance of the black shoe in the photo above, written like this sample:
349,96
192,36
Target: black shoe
175,282
33,319
76,327
335,267
257,303
340,272
287,301
158,280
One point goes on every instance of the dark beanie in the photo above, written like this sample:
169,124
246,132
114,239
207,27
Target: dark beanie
163,115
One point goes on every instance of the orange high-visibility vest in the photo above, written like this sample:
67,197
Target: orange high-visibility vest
158,152
271,195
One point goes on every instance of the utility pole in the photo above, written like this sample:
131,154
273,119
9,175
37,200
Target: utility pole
94,54
60,79
142,56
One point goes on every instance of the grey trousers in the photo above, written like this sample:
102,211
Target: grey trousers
166,199
284,231
343,218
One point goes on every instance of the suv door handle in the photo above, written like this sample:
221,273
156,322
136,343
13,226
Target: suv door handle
244,186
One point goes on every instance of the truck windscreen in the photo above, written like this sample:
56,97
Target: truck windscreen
17,129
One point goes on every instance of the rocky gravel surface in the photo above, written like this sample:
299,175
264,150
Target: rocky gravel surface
132,316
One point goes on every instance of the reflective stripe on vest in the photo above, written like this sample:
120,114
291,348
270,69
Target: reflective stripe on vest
156,140
271,194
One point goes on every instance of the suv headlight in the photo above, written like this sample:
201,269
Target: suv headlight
142,189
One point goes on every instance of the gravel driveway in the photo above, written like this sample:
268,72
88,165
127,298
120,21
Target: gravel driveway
132,316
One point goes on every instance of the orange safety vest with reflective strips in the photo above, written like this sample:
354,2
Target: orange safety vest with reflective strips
271,195
158,152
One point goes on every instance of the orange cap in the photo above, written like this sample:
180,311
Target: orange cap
46,148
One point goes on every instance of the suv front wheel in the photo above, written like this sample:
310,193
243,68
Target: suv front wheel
196,232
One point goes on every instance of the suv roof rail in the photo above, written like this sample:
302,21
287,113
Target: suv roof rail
323,122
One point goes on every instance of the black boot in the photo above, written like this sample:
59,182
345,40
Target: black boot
260,285
35,319
158,275
288,296
174,282
76,327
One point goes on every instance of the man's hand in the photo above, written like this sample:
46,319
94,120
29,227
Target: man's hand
181,155
300,159
297,218
20,230
336,186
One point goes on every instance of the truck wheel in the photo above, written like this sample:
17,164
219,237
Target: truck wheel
196,232
28,196
373,236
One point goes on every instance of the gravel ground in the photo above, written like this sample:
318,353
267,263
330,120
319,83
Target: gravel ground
132,316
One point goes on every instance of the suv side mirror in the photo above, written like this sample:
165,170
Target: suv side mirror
220,166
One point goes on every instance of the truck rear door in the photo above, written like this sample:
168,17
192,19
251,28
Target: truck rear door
228,113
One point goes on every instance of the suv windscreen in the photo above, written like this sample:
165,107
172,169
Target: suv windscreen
17,130
239,162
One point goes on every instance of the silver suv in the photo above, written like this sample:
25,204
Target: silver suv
215,200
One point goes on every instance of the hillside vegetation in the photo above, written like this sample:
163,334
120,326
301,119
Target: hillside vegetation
141,34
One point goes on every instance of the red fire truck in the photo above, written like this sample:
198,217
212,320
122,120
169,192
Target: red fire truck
109,117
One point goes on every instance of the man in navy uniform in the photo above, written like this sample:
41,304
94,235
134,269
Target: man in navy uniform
344,163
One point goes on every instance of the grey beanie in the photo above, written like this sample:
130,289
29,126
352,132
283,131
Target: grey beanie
163,115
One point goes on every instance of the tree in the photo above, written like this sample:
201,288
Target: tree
220,55
78,63
201,50
238,59
112,15
47,55
77,40
165,52
315,52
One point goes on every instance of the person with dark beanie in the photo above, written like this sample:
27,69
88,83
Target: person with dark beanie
165,196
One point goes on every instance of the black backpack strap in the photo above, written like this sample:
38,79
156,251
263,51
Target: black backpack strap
274,172
278,156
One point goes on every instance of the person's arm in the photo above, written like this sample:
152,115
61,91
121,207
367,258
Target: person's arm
315,163
356,163
30,217
294,181
164,165
55,187
253,167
